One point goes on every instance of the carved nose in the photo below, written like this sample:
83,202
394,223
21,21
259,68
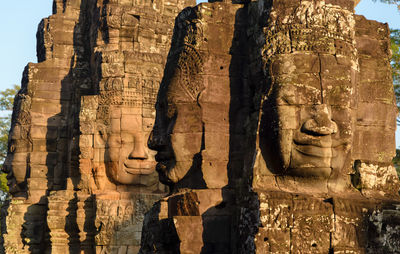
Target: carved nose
155,141
139,150
321,122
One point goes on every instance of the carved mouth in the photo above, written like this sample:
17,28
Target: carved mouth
139,167
314,151
162,168
316,141
318,146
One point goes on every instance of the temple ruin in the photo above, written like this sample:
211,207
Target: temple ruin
225,127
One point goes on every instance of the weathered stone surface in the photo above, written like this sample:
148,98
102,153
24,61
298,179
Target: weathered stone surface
274,131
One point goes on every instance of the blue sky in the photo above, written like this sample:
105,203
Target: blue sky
20,18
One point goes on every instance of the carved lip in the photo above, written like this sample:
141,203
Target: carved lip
318,146
315,146
303,139
315,151
139,167
320,172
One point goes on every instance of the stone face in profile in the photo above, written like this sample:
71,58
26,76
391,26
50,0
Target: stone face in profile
178,135
191,131
20,143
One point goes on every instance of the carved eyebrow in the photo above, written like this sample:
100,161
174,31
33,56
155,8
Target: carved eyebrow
290,98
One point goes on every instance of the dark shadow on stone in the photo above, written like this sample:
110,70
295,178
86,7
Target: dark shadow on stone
62,141
160,236
219,234
89,225
103,23
71,226
3,226
194,177
221,223
218,226
231,226
35,232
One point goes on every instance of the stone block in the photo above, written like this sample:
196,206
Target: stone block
189,230
132,249
274,241
215,173
37,196
189,143
40,158
367,147
42,119
41,145
46,108
86,141
38,132
37,183
39,172
44,132
376,114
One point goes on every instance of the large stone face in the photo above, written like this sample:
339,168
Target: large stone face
322,103
306,128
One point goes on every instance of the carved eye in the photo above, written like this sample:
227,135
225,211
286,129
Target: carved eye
12,147
126,138
286,94
114,141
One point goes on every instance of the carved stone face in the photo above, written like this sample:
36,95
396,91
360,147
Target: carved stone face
128,158
178,132
191,133
16,162
306,127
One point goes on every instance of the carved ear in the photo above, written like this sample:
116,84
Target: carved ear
102,129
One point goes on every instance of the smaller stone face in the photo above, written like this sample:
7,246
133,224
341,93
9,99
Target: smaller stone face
126,148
